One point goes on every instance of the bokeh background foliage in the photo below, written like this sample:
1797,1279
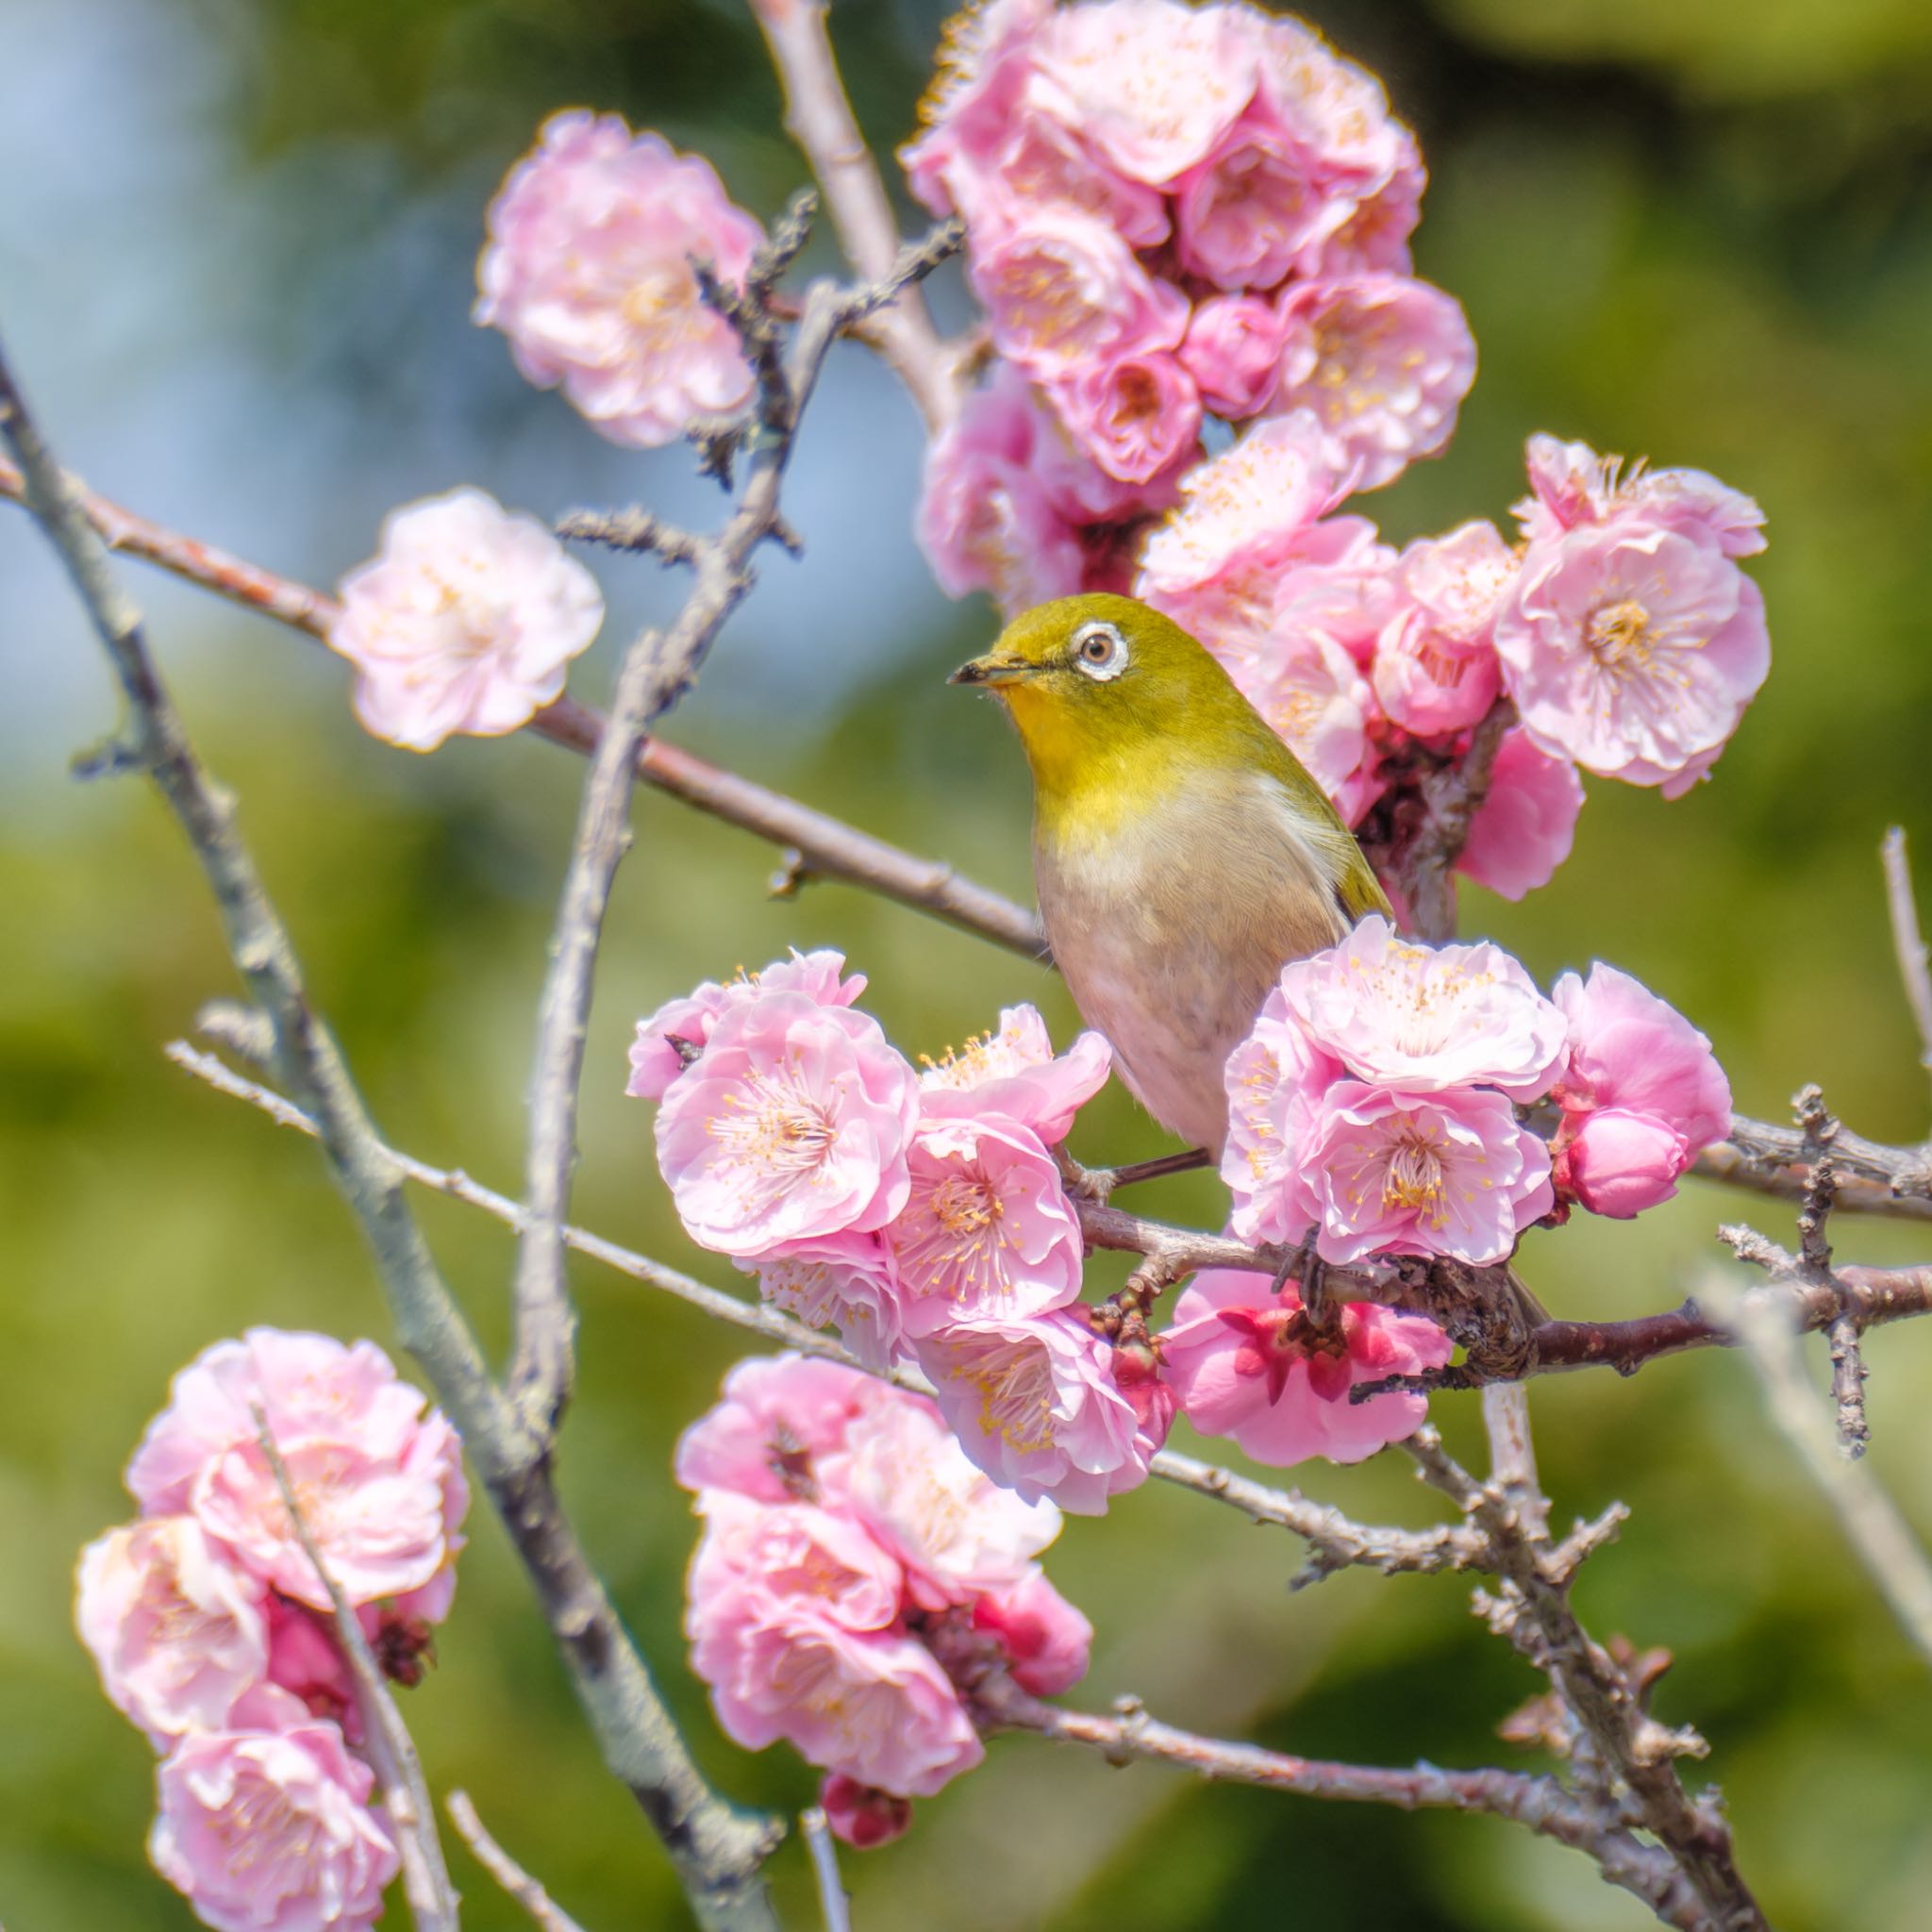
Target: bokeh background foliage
234,257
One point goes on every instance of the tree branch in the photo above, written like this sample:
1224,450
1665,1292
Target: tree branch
835,1912
1914,967
545,1914
717,1851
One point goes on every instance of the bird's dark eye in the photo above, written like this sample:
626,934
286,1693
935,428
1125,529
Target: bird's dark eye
1100,651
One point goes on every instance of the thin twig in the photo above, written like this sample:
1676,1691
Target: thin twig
1914,967
546,1914
405,1790
717,1850
835,1909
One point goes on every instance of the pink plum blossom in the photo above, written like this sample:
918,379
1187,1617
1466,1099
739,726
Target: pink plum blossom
1063,292
1035,1404
177,1632
1151,84
1256,206
1633,649
1319,704
860,1815
968,114
588,271
271,1831
1383,361
1044,1637
1013,1072
1382,1172
306,1661
1137,416
463,622
1571,487
987,1229
792,1549
1425,1019
1275,1079
1524,829
1435,664
1338,582
655,1060
1233,351
844,1280
958,1533
379,1482
792,1125
1642,1092
779,1417
1248,1364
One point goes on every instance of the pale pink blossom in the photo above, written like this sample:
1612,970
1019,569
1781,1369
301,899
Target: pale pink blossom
1338,583
1382,1172
1035,1404
379,1483
1374,238
1383,361
768,1554
1243,511
1248,1364
968,113
1063,292
1633,649
1642,1092
778,1419
1014,1071
956,1533
1046,1640
987,1229
1137,416
1524,829
463,622
1151,84
1233,351
1257,206
655,1059
1274,1078
792,1125
1435,663
1571,486
177,1632
844,1280
861,1815
1319,704
1427,1019
588,271
271,1831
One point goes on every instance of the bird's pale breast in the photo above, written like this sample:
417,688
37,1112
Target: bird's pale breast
1170,930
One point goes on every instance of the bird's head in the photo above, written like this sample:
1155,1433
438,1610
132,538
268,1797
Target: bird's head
1095,680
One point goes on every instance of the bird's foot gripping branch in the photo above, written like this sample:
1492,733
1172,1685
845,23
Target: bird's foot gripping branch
1265,742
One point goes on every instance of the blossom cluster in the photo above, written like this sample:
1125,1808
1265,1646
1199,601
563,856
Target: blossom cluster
850,1551
1618,624
213,1632
1172,212
921,1212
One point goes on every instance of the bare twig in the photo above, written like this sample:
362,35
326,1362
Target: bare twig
835,1910
1540,1803
1914,967
392,1751
630,529
717,1850
546,1914
819,117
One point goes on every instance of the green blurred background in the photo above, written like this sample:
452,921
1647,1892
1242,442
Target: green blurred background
234,263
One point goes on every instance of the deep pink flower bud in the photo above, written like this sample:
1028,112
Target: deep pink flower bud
1619,1163
1045,1640
863,1815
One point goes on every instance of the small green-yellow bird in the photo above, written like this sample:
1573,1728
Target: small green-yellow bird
1182,853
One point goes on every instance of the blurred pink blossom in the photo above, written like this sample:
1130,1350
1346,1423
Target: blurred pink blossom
987,1230
1317,701
1435,664
1248,1364
1257,206
778,1419
861,1815
1045,1638
844,1280
1642,1092
1524,829
1427,1019
1633,648
1571,487
587,271
1233,351
271,1831
1137,416
305,1660
177,1632
1035,1404
463,622
654,1061
792,1125
1014,1071
969,112
791,1549
1383,361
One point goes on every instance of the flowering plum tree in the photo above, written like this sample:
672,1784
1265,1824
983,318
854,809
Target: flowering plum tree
1200,343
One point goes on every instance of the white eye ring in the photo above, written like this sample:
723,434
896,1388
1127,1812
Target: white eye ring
1100,651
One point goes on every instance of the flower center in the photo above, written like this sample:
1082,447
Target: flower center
1413,1178
1014,1400
1618,635
776,1124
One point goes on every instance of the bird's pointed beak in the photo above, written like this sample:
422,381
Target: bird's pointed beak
992,671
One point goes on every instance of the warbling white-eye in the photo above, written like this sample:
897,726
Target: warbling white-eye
1182,853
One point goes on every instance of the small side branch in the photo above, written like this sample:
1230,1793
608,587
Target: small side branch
835,1909
545,1914
1914,966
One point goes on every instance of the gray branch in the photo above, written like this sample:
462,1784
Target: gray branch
546,1914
